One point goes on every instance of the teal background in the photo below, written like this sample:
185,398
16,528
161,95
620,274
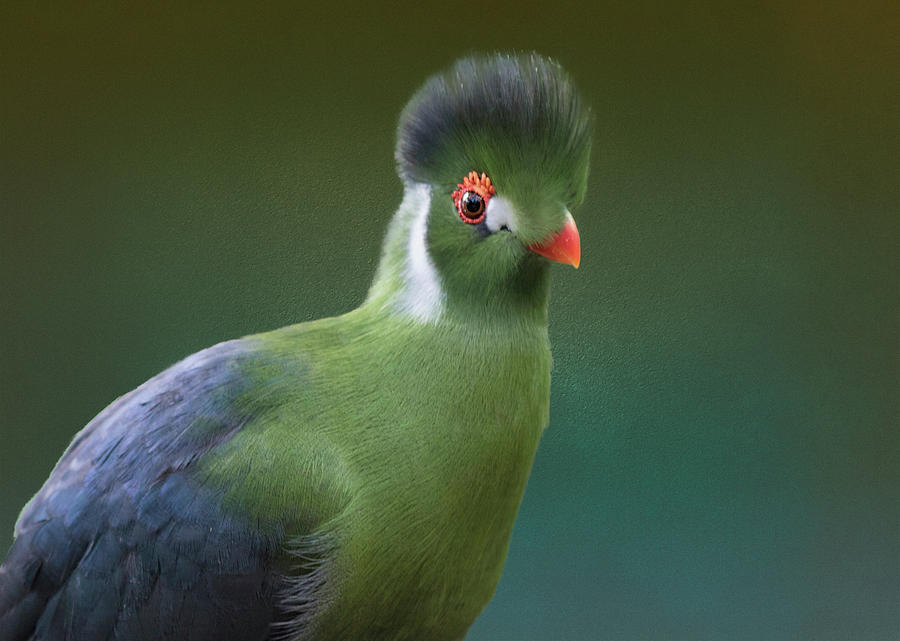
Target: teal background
723,459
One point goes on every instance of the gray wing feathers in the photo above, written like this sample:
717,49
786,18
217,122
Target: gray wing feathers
123,542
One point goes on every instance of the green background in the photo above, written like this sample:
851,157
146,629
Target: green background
722,459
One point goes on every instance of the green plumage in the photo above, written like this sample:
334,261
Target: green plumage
377,459
411,482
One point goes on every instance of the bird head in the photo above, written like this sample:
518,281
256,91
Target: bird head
494,156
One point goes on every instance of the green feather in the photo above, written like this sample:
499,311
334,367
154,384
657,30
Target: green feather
408,445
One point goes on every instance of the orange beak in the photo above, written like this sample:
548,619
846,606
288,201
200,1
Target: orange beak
564,246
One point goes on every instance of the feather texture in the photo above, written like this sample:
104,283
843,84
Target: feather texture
124,542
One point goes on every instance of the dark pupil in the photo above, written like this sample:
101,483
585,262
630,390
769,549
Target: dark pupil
473,203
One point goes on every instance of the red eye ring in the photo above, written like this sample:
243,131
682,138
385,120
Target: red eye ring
475,191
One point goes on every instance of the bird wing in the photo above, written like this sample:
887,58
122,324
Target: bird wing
124,542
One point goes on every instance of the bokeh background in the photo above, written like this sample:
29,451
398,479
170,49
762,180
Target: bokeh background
723,459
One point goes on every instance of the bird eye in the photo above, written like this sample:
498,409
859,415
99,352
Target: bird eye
472,197
472,206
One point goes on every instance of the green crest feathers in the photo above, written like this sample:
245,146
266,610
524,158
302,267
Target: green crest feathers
524,105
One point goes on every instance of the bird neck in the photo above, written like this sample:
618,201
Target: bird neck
407,283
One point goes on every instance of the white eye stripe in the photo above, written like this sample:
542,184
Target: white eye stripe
500,214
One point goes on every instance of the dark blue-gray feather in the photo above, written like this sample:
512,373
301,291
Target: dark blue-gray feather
124,542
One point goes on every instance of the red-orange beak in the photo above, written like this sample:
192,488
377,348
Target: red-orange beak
564,246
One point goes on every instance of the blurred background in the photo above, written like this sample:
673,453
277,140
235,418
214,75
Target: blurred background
723,459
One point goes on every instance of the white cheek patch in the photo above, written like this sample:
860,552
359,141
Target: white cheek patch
500,214
422,296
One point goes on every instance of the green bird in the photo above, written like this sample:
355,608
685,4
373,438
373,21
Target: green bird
354,477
